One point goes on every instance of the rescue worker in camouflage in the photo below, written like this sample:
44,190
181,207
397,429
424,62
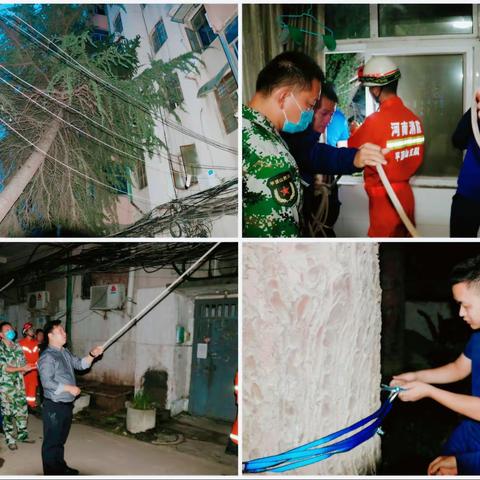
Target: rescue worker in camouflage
12,389
287,90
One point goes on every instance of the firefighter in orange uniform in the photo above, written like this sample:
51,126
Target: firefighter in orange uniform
397,128
232,446
31,351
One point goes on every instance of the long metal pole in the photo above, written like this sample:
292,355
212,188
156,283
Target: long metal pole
158,299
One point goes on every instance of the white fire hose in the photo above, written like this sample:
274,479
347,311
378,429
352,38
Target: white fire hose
474,117
396,202
158,299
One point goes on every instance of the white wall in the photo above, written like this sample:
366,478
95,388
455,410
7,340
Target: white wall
432,211
311,348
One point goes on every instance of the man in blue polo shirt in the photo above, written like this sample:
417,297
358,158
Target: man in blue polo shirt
461,453
465,211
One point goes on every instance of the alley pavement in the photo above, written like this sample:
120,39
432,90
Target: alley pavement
97,452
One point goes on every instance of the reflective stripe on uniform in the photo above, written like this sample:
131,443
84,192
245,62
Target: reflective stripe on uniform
35,349
30,399
405,142
234,437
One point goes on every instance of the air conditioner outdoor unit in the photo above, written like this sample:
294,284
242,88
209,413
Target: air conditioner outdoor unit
221,268
107,297
38,300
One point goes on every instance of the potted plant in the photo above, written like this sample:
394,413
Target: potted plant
141,413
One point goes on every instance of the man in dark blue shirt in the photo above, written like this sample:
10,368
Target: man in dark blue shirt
461,453
465,212
314,158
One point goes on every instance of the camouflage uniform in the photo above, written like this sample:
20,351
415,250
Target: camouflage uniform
271,180
12,393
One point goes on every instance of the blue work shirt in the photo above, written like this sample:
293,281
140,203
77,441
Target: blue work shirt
318,158
56,367
468,184
337,129
464,442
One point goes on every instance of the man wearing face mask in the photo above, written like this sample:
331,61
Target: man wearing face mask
287,89
397,128
319,163
56,368
13,403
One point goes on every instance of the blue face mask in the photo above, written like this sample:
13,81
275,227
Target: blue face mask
10,335
304,121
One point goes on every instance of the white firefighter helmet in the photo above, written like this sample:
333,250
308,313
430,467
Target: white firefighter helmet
378,71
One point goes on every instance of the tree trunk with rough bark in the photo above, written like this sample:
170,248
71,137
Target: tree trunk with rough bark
17,184
311,349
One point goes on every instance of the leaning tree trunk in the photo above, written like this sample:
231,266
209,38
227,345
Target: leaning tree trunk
22,177
311,349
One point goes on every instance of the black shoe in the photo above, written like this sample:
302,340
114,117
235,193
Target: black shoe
12,446
71,471
27,440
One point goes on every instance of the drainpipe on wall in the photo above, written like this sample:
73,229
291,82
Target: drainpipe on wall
69,301
131,279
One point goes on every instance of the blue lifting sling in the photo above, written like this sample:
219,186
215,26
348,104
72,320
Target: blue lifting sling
312,452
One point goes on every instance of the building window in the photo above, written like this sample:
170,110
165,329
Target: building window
416,20
201,34
175,91
99,35
86,284
99,9
185,167
159,36
190,163
227,99
231,35
117,24
141,175
348,20
441,159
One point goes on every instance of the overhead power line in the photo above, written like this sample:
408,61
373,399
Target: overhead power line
98,125
88,135
70,61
